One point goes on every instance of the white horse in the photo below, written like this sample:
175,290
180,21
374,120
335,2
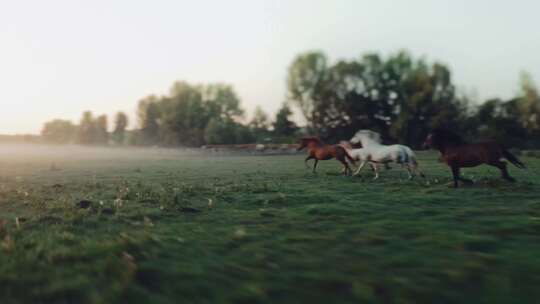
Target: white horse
374,152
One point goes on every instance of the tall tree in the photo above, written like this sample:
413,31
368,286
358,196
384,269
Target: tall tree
120,125
498,120
185,116
149,115
221,101
398,96
260,119
283,125
529,105
259,124
305,83
102,133
220,131
59,131
87,129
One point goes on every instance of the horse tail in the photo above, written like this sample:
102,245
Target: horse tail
513,159
407,157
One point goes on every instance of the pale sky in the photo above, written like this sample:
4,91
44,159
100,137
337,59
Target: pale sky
59,58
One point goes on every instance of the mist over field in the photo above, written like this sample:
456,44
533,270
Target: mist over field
74,153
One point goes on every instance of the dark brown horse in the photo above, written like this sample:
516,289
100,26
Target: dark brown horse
319,151
457,153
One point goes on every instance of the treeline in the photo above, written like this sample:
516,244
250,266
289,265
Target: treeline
90,131
190,115
403,98
399,96
194,115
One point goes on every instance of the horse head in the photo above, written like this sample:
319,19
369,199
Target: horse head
307,141
366,137
441,137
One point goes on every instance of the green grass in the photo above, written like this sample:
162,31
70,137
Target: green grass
171,227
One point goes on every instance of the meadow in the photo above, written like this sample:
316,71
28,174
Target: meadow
103,225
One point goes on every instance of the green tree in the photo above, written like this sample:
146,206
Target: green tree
529,105
426,100
120,125
283,126
398,96
305,79
87,129
244,134
497,120
260,124
149,116
59,131
184,116
220,131
260,119
221,101
102,134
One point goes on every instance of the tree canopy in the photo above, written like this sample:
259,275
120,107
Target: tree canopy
400,96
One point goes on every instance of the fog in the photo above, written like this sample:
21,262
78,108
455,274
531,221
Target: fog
38,153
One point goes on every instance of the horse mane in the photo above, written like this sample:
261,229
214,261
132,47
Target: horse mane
314,139
345,144
447,136
368,135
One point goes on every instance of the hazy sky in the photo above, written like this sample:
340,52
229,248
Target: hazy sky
59,58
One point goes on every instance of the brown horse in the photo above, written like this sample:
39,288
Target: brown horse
319,151
456,153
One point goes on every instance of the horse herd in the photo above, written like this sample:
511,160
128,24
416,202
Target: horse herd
454,151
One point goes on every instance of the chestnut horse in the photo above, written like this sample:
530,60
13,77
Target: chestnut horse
319,151
456,153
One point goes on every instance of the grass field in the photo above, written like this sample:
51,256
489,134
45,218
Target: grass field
165,226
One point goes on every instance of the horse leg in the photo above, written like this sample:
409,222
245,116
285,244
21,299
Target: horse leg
409,171
455,174
376,170
360,168
504,171
417,171
414,167
315,165
346,168
305,161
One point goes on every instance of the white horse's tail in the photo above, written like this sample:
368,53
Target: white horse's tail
406,155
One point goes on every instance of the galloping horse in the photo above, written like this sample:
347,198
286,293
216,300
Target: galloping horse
457,153
319,151
374,152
